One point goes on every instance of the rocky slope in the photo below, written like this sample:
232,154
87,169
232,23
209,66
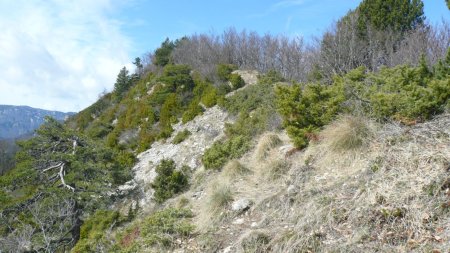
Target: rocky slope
204,129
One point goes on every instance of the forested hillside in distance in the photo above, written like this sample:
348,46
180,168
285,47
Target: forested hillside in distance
337,145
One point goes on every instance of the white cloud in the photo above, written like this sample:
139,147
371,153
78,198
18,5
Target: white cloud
59,54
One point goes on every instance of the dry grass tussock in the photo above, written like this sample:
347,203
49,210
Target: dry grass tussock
267,142
234,169
348,133
213,207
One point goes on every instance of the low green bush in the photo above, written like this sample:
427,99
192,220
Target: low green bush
94,230
181,136
224,71
236,81
159,231
221,152
403,93
192,111
168,182
308,107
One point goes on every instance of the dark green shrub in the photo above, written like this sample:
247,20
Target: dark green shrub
271,77
192,111
236,81
224,71
169,110
94,229
247,100
160,229
209,97
177,78
221,152
306,109
168,182
403,93
181,136
223,88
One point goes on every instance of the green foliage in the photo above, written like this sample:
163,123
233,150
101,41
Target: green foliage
162,54
168,182
395,15
224,71
192,111
160,229
251,98
54,174
305,108
181,136
271,77
209,98
169,110
177,78
221,152
236,81
403,93
123,82
94,230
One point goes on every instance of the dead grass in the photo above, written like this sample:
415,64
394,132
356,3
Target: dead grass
275,169
348,133
235,169
386,193
265,144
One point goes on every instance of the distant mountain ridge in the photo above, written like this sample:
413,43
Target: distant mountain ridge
16,121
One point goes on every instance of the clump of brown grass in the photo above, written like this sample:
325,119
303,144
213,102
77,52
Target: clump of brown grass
235,169
255,241
348,133
265,144
219,197
275,169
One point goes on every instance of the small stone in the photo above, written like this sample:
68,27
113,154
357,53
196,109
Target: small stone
227,249
239,221
254,225
292,190
241,205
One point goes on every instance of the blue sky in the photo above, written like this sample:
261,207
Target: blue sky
60,55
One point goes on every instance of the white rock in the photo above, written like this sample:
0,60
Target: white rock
241,205
291,190
239,221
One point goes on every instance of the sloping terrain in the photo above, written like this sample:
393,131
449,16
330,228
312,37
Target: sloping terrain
204,129
391,195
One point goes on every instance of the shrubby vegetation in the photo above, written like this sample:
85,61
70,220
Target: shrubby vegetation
94,231
159,230
181,136
60,177
256,113
404,93
169,181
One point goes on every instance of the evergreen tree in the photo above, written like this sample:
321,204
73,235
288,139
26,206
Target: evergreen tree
139,67
395,15
162,54
123,82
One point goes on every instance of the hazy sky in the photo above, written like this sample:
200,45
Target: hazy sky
61,54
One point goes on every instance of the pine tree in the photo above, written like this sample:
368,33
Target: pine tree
123,82
396,15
